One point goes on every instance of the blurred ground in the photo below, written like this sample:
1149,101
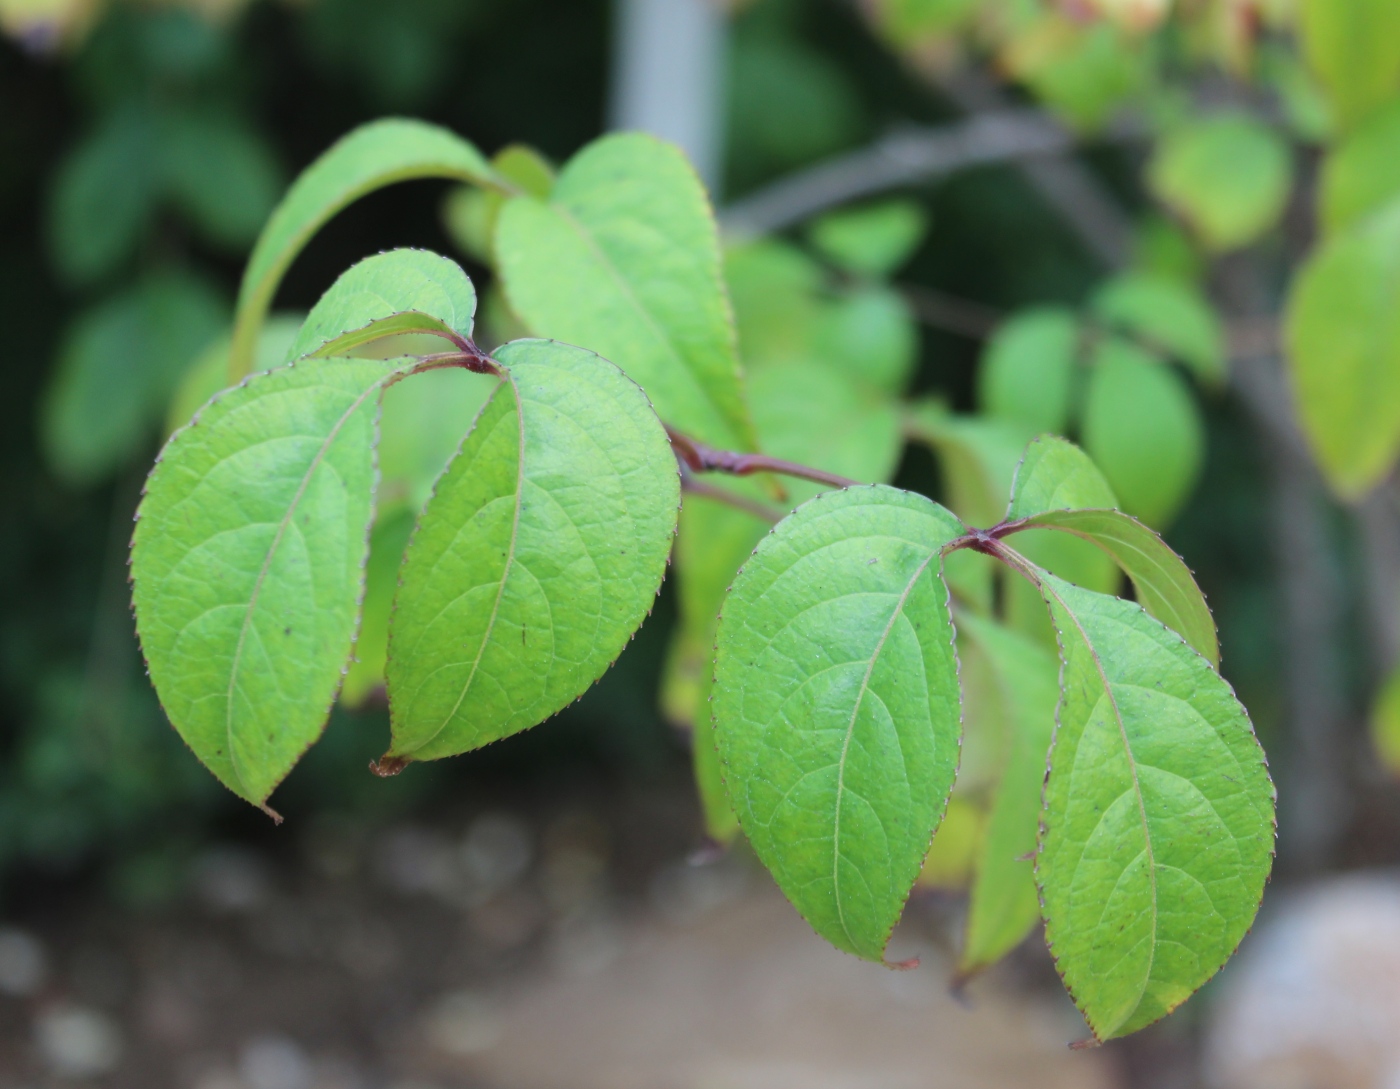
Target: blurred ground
549,945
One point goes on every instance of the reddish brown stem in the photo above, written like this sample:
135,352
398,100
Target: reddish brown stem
702,458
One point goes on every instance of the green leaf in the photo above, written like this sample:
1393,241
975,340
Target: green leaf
624,260
386,547
1361,174
221,174
1342,329
248,560
953,853
1228,176
390,294
977,457
537,557
369,158
1004,906
118,366
1142,428
1354,48
1169,315
1054,474
873,240
209,373
1164,585
470,214
1158,828
1027,371
1083,71
103,196
836,705
871,335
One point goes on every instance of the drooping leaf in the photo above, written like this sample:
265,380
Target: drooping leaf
537,557
386,547
952,855
836,705
1164,585
390,294
103,197
1361,174
369,158
1027,370
1228,176
1142,428
873,240
118,367
623,259
1159,814
209,373
1004,906
1168,314
1054,474
247,564
1342,329
1353,46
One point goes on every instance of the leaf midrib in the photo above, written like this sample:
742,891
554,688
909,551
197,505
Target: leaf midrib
282,525
505,570
631,296
895,614
1137,787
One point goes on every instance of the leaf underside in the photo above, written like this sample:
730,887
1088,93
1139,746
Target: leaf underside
401,291
836,705
372,156
247,564
1158,828
537,557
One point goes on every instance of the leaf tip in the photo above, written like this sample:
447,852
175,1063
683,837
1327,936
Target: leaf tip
387,766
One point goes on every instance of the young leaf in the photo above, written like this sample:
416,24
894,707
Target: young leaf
873,240
537,557
1054,474
1361,174
1227,176
1342,329
1004,906
369,158
1159,814
389,294
1142,428
1168,314
247,564
1354,47
624,259
836,705
1163,582
1027,371
469,214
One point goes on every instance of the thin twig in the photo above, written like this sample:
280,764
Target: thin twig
940,310
694,486
903,157
701,458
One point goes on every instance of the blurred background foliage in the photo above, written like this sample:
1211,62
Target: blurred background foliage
142,145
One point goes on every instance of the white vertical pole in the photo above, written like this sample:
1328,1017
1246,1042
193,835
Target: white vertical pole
668,69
